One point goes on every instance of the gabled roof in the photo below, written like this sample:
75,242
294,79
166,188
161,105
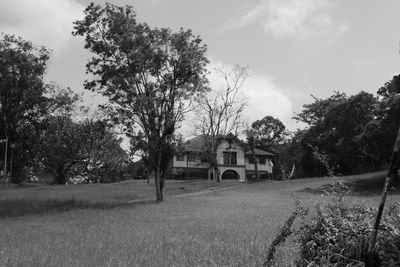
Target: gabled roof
260,152
198,144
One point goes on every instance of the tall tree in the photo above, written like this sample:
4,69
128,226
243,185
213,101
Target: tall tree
338,127
268,131
251,141
22,96
150,75
100,149
220,113
388,120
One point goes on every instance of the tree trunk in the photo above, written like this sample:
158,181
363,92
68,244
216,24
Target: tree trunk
157,178
162,184
61,174
255,163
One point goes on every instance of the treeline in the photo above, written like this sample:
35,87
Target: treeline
43,127
152,77
345,134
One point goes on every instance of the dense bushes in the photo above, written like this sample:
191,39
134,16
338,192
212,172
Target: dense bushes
339,236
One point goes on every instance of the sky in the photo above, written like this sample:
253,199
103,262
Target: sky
293,48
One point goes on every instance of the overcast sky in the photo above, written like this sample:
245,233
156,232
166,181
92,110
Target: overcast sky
293,48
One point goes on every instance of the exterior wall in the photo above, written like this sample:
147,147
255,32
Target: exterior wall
189,164
234,147
261,167
181,164
225,146
239,170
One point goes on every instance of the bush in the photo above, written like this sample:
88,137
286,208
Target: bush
339,236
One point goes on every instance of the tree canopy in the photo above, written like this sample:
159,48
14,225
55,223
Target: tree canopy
22,96
150,75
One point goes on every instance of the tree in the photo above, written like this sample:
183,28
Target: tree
251,141
150,75
22,97
339,128
268,131
72,144
62,147
219,113
101,149
388,120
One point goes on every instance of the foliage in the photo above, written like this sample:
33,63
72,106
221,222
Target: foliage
150,75
338,236
104,159
270,134
268,131
340,127
22,98
88,147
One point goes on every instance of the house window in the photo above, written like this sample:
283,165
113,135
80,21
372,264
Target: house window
191,157
262,160
251,160
180,157
230,158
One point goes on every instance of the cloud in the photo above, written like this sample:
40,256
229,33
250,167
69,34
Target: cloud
289,17
264,97
44,22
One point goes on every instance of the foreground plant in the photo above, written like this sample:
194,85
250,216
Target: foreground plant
339,236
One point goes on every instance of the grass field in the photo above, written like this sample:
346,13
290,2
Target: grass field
232,227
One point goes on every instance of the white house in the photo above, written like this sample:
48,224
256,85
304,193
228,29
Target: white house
234,159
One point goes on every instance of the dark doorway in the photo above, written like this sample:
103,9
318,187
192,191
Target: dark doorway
230,175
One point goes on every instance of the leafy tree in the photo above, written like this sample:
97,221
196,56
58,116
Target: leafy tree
388,119
22,98
150,75
268,132
338,127
251,141
62,147
88,147
101,151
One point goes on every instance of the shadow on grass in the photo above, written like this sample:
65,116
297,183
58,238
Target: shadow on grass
23,207
359,187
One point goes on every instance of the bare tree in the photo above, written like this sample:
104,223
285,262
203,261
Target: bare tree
220,113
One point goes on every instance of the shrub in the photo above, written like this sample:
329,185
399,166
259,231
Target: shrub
339,236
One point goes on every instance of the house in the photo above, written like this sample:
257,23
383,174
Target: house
234,159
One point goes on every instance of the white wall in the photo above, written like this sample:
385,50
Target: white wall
235,147
189,164
261,167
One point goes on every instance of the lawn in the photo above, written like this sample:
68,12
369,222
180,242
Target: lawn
232,227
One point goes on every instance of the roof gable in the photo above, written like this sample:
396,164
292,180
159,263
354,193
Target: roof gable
200,143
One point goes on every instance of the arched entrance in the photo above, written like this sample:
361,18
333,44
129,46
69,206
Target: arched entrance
230,175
